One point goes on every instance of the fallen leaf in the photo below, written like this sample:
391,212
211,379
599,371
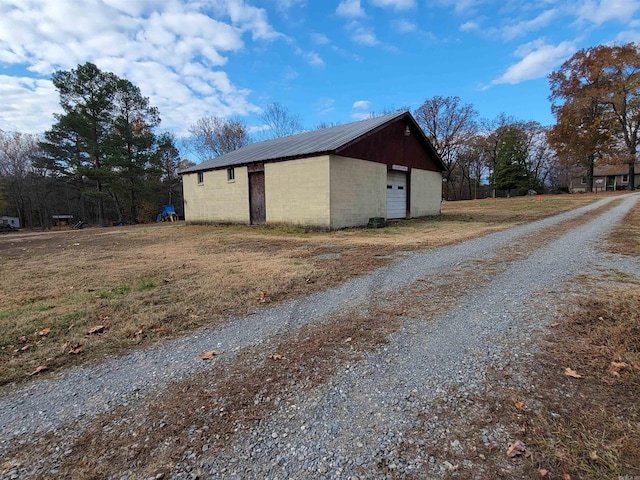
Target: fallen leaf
95,330
571,373
22,349
566,476
554,324
208,355
44,332
519,405
41,368
516,448
75,349
160,330
276,356
543,472
619,365
140,331
263,296
593,455
22,339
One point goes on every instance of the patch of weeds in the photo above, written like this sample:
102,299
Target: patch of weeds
121,290
146,285
43,308
75,316
589,426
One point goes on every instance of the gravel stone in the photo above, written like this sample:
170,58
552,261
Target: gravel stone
355,425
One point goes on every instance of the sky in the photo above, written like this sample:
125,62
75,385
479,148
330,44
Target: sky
328,61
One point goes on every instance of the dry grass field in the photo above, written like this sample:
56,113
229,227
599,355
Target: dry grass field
73,297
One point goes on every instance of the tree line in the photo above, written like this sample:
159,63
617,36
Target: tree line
102,161
105,161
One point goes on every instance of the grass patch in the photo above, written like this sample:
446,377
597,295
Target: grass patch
588,427
171,278
625,239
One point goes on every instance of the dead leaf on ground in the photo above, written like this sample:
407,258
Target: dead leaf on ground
519,405
75,349
22,349
569,372
619,365
263,296
276,356
40,368
22,339
566,476
517,448
543,472
140,331
208,355
160,330
44,332
593,455
554,324
95,330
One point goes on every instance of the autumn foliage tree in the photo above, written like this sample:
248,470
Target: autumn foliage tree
595,98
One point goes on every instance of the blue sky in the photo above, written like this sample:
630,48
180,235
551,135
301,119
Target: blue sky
326,60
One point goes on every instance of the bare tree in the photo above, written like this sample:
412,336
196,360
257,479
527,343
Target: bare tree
18,151
280,122
448,123
214,136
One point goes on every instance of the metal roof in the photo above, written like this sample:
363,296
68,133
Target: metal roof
323,141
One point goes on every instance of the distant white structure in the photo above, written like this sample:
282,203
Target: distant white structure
13,221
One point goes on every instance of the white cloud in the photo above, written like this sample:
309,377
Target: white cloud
629,36
173,50
403,26
320,39
314,59
28,104
350,8
538,60
469,26
599,12
324,105
361,105
524,27
284,5
461,6
395,4
362,35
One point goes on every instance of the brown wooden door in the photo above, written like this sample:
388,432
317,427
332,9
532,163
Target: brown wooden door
258,212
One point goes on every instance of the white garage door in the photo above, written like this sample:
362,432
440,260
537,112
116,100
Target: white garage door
396,194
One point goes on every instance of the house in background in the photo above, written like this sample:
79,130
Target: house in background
13,222
606,178
330,178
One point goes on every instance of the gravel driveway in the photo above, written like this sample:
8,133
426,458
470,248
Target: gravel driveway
364,415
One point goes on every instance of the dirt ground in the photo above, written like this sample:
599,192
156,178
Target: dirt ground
171,278
72,296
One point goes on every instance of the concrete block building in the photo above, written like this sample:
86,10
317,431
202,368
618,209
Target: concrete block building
330,178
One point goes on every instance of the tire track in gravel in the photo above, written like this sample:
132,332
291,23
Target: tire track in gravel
356,426
81,393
